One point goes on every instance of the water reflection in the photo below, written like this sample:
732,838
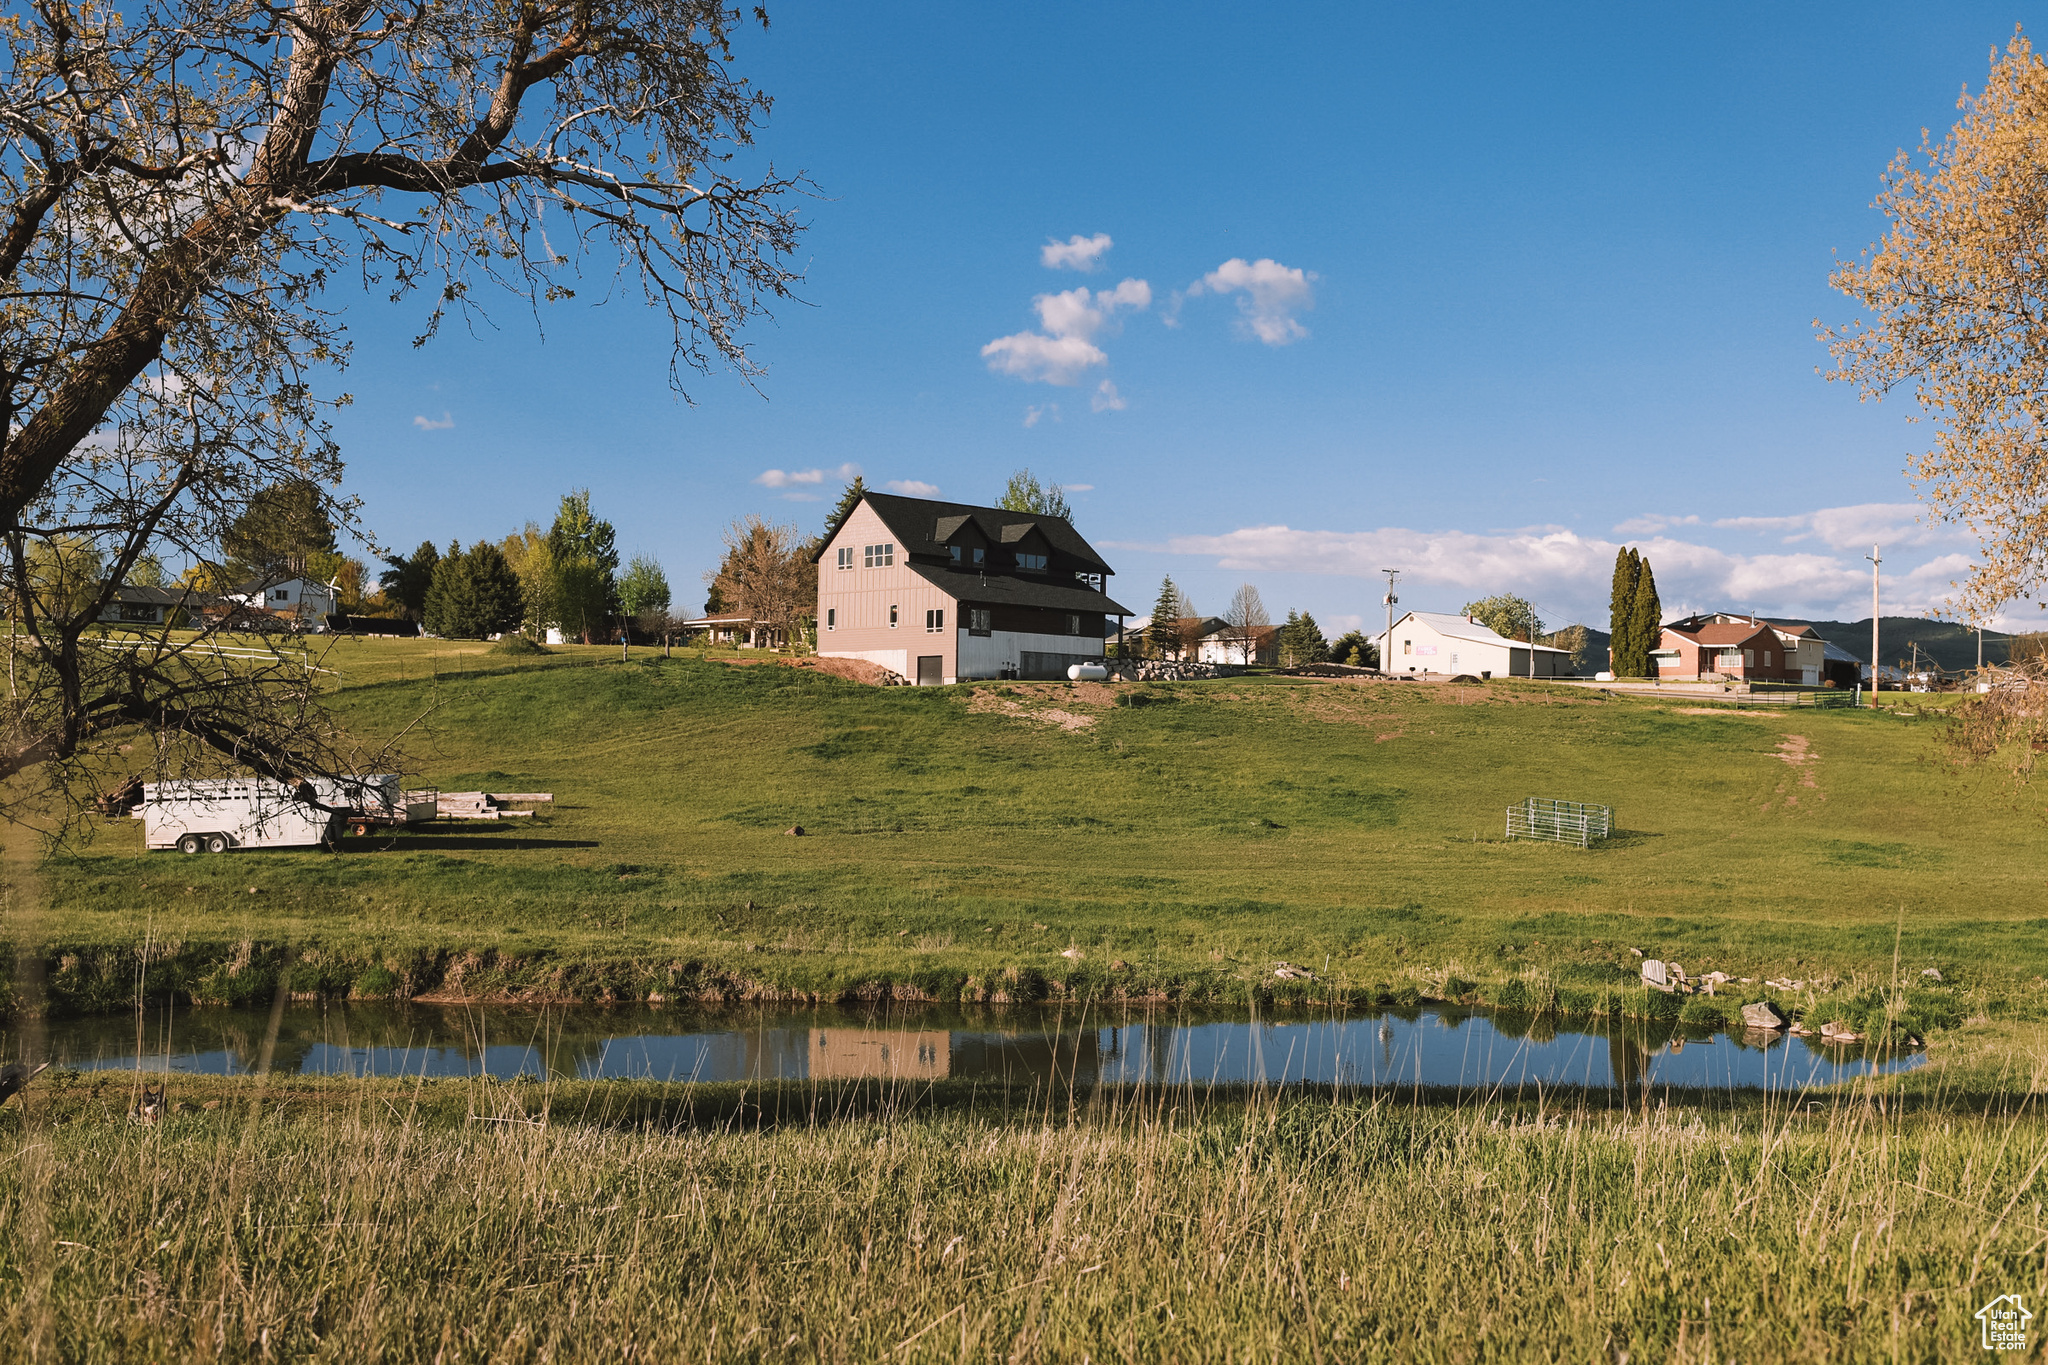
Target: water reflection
1013,1045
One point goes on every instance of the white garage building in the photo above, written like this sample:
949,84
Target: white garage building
1438,642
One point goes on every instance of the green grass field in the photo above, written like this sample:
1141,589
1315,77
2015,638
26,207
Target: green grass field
460,1221
1182,838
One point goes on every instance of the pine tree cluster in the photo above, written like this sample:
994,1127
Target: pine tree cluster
1635,616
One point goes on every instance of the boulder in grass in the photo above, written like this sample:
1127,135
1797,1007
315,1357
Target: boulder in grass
796,830
1762,1014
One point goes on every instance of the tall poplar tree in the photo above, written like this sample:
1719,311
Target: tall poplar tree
1646,621
1621,604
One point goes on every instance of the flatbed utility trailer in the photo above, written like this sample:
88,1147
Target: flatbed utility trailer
214,816
375,802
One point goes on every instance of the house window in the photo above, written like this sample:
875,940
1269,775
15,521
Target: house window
1407,646
281,595
878,556
1031,561
935,619
892,618
846,556
832,613
977,621
1748,658
1073,625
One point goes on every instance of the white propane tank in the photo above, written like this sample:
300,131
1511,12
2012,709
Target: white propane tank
1086,673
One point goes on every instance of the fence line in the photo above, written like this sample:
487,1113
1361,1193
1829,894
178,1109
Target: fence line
215,651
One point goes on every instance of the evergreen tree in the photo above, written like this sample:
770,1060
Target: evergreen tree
1163,634
586,565
1301,641
1355,648
1646,621
1621,604
410,576
281,526
474,594
848,500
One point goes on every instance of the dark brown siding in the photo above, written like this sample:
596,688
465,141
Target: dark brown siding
1039,620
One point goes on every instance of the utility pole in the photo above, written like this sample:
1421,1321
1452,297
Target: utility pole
1387,640
1874,562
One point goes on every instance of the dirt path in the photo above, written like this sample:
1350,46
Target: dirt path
1796,752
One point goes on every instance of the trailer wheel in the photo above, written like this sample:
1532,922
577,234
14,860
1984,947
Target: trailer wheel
359,828
190,843
216,843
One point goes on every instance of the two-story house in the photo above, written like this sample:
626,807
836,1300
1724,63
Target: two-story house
943,591
1738,647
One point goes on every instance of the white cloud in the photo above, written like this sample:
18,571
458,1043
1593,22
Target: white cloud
804,478
1106,398
1568,574
1077,488
912,488
1076,253
1865,524
429,424
1651,523
1033,415
1072,319
1271,294
1052,360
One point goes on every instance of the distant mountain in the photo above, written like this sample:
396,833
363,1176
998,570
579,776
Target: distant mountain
1951,646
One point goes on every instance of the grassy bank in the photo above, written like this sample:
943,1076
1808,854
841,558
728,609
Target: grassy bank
460,1221
1165,841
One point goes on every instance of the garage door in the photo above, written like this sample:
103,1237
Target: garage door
931,670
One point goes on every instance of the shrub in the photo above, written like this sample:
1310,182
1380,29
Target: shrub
1700,1012
519,645
376,983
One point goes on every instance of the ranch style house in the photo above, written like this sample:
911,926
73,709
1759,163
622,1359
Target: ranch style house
939,592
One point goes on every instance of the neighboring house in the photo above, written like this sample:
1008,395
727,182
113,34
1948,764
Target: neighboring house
306,602
135,605
943,591
721,630
1221,646
1439,642
1732,646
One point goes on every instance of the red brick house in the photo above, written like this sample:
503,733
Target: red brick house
1724,648
943,591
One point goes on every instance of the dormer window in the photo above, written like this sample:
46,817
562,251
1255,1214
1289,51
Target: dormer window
1036,563
963,555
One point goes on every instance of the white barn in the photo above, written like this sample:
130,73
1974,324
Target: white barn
1438,642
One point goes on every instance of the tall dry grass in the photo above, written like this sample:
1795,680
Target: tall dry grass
1307,1230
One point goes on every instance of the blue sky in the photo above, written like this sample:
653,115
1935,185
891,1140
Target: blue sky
1481,291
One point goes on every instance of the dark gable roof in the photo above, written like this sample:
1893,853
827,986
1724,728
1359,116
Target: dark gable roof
921,525
141,594
1017,590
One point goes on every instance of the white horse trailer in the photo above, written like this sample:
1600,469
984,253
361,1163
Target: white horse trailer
219,815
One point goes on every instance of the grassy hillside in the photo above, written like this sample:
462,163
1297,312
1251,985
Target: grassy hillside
1179,837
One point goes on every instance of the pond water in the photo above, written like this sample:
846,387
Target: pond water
1010,1044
